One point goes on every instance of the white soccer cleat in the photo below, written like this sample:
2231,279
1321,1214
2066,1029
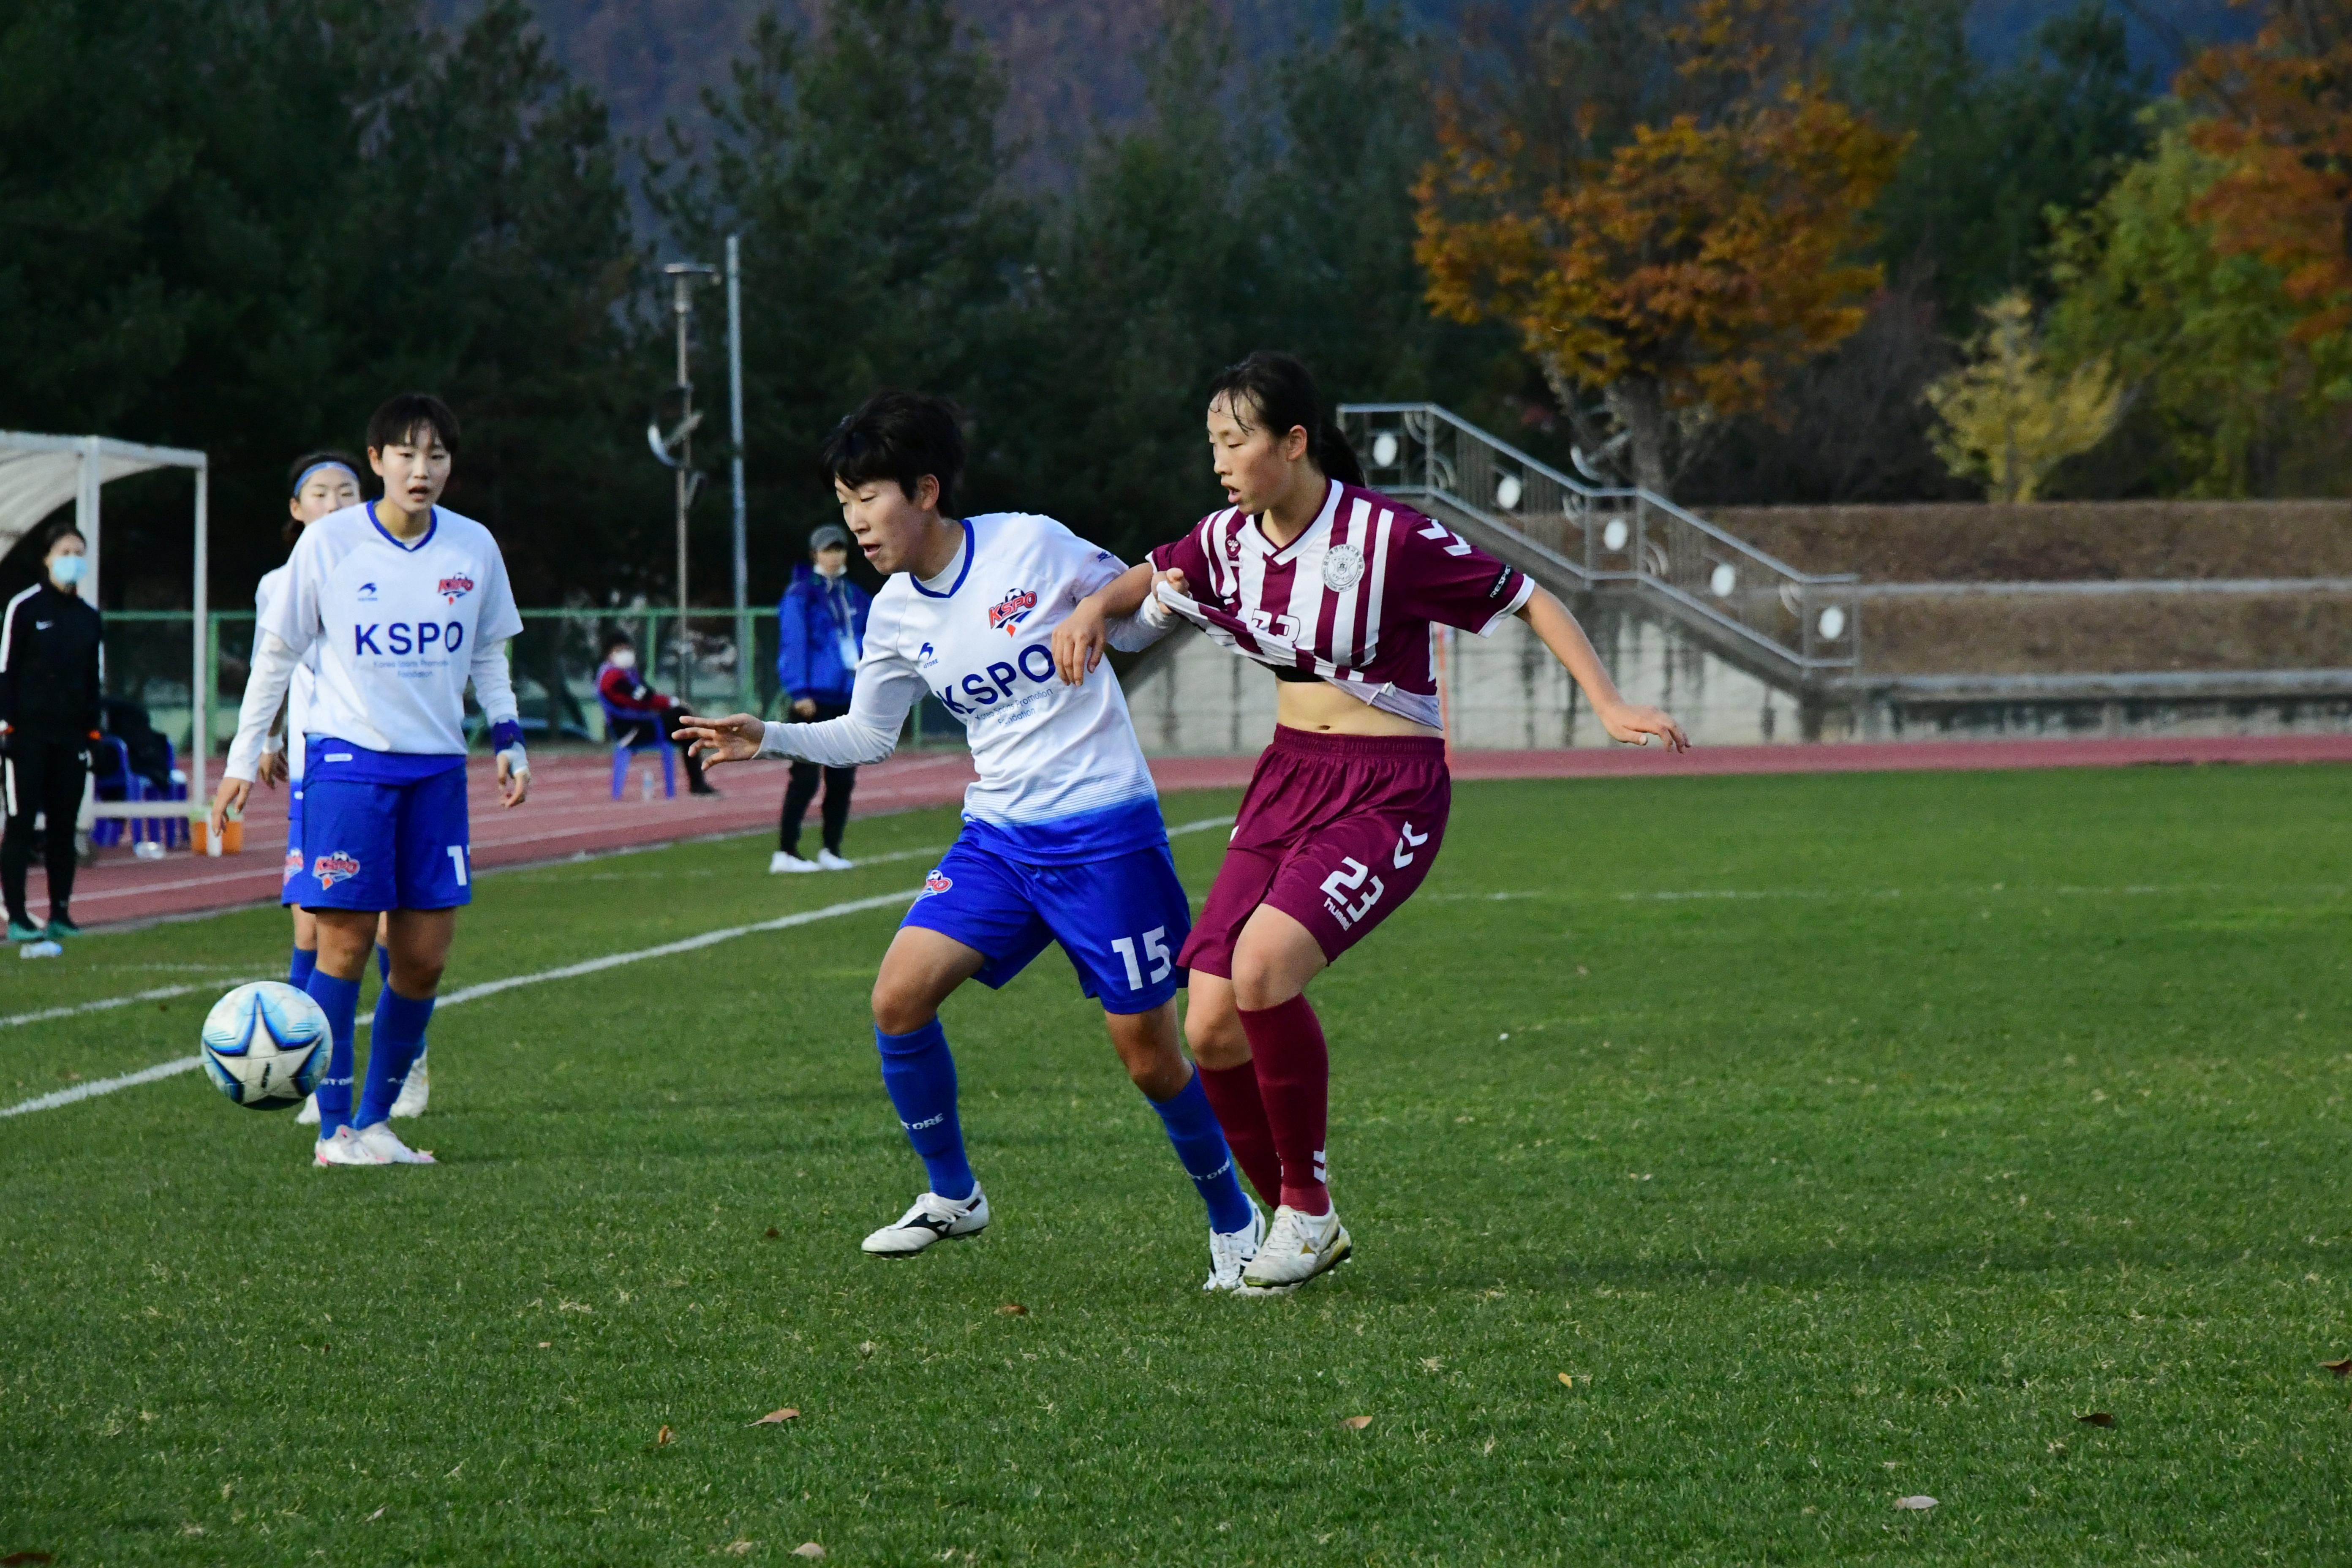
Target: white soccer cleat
345,1148
827,860
309,1115
1297,1247
932,1218
411,1099
785,860
382,1140
1231,1250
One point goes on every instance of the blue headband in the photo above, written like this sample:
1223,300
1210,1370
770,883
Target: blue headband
304,476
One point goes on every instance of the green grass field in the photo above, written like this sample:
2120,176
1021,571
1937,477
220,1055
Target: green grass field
1841,1139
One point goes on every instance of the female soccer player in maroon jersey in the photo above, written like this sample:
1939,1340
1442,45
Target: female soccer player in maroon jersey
1336,587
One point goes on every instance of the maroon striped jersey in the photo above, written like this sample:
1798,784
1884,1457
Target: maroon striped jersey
1351,599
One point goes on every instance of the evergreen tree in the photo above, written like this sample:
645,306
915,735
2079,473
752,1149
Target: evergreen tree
859,161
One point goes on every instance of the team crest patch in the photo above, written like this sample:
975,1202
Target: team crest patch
936,882
455,587
293,865
336,868
1343,567
1008,614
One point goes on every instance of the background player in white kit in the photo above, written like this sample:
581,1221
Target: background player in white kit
1063,839
406,603
318,485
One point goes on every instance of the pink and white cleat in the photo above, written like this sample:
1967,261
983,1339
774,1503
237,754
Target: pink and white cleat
346,1148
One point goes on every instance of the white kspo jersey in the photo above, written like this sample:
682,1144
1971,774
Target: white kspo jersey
398,627
1062,777
304,688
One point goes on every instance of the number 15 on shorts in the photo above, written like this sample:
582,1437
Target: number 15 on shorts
1155,950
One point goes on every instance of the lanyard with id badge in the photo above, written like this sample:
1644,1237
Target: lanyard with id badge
844,634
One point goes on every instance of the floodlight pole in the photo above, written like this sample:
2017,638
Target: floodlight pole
683,276
744,684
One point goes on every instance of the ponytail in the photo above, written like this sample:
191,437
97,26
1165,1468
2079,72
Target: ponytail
1336,458
1279,392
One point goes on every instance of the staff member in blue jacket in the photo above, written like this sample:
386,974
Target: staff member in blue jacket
821,618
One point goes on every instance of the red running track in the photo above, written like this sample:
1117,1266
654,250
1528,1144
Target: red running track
571,811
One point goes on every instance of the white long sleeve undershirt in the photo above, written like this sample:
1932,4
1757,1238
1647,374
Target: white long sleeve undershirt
1152,621
886,691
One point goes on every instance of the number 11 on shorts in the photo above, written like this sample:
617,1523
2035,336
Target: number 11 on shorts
457,860
1155,948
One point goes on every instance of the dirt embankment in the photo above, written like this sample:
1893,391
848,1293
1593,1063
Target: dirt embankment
2056,541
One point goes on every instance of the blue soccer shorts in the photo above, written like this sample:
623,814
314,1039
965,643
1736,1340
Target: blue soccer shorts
294,861
1120,919
384,845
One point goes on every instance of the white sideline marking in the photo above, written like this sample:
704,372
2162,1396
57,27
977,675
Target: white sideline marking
102,1005
487,988
103,1086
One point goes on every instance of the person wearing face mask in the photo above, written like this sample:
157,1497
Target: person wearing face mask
820,626
639,712
48,717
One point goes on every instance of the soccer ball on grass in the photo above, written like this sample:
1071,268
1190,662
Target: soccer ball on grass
265,1044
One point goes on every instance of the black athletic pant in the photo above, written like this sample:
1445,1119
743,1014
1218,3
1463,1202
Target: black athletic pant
838,783
40,775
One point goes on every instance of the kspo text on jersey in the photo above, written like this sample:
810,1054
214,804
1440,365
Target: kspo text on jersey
407,637
991,691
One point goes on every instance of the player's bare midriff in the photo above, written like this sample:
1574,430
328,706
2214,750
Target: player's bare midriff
1317,709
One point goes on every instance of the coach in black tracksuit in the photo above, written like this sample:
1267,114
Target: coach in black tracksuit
49,717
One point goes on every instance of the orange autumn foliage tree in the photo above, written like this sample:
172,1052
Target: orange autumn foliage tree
1662,202
2281,118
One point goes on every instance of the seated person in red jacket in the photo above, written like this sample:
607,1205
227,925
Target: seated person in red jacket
634,711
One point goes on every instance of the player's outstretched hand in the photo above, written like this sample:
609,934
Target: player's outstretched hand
230,796
1634,727
734,739
1080,640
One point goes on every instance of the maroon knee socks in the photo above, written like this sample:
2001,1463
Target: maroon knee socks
1232,1095
1294,1083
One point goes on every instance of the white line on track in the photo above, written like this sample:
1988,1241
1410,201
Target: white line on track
488,988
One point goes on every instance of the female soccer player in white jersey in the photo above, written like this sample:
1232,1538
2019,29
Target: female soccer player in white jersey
1336,587
406,602
1061,839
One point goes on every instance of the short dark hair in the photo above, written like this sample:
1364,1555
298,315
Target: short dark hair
901,436
60,532
403,417
614,639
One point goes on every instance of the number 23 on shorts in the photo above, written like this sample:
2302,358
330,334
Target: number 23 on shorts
1155,950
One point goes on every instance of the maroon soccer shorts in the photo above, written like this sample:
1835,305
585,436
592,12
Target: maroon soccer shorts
1336,832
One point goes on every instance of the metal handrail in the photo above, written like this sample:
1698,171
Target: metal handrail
1808,622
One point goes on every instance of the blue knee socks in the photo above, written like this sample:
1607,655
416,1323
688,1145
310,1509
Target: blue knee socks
383,964
297,973
339,999
393,1043
920,1075
1200,1145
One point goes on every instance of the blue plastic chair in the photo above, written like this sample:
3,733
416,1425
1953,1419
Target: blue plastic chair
615,721
113,780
